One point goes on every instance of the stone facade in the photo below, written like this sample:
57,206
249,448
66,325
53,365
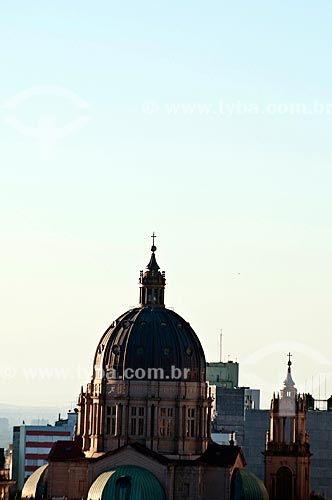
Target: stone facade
180,479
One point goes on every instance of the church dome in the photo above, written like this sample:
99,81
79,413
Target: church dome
148,338
247,486
127,482
150,341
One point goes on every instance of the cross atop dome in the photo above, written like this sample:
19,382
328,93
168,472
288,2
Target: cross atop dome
289,360
153,248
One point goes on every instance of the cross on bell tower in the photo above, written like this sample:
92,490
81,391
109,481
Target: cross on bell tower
287,452
289,359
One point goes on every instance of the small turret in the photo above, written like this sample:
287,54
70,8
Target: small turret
152,282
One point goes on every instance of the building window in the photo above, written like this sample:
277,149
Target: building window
137,421
166,422
111,420
190,422
141,420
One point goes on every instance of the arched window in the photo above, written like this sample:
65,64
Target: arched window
122,488
284,484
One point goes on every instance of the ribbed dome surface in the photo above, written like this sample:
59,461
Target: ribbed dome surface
247,486
151,337
126,482
36,484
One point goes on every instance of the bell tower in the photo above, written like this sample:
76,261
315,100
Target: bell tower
287,452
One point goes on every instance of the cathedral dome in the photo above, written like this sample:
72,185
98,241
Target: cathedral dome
150,341
148,338
148,385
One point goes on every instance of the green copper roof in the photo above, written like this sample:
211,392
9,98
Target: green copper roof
246,486
126,482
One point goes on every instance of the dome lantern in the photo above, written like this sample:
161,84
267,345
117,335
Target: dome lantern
152,282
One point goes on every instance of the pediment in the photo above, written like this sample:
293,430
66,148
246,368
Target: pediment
129,455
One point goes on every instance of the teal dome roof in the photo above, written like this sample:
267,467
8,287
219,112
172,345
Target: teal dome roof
246,486
128,482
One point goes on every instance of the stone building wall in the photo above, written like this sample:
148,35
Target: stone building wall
68,476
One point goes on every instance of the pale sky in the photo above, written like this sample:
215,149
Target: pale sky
207,122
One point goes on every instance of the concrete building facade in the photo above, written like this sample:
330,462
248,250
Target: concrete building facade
223,374
32,444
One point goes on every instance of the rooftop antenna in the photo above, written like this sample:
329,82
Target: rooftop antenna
220,346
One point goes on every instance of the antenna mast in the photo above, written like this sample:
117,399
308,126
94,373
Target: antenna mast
220,346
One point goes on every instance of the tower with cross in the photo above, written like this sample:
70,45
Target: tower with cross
152,281
287,452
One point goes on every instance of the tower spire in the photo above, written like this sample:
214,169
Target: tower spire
289,389
289,361
152,281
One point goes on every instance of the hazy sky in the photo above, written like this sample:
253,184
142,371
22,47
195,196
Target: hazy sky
207,122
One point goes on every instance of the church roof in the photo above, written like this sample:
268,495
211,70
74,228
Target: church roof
289,382
36,484
152,265
222,455
246,486
140,448
216,454
151,337
66,450
132,482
